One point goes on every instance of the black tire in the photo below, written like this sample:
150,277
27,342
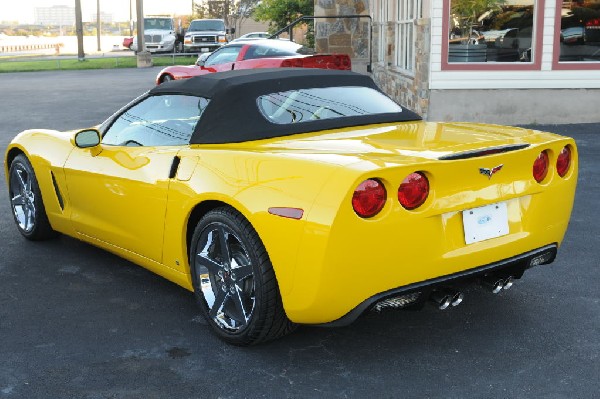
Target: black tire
26,201
166,78
239,297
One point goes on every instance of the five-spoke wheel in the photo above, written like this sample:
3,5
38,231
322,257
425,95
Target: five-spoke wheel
234,280
26,201
226,277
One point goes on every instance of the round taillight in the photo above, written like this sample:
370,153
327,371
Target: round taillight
413,190
369,198
563,162
540,166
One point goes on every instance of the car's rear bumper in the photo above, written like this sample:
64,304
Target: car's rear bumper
416,293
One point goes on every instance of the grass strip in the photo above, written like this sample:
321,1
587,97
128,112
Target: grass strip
69,64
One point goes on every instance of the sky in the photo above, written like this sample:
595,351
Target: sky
23,12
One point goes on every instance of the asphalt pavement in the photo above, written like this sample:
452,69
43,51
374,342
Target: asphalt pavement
78,322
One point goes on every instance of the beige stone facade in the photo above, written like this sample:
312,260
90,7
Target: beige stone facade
343,35
358,37
409,88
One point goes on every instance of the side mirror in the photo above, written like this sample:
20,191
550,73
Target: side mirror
202,59
230,31
87,138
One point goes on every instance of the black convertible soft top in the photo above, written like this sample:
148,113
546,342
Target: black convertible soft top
233,115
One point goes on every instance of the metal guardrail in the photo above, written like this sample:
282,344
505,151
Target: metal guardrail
13,48
288,29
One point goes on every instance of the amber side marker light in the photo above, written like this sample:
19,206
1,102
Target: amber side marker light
540,166
413,190
369,198
563,162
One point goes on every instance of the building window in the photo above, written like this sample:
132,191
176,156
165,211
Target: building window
407,14
381,21
493,31
579,36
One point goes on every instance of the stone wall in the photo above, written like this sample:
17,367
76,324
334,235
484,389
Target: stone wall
409,90
342,35
352,36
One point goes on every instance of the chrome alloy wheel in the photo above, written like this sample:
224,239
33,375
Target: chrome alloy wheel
22,198
226,277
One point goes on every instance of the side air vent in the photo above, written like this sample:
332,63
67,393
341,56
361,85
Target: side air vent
57,191
484,152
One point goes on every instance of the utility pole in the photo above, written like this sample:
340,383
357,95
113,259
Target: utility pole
144,59
130,20
79,31
98,23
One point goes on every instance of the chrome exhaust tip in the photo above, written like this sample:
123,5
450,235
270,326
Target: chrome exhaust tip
494,283
457,298
508,282
442,299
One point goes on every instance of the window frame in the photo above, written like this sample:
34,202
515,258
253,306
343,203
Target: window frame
381,8
537,40
406,15
566,65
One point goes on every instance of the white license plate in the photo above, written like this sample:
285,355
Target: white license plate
204,50
486,222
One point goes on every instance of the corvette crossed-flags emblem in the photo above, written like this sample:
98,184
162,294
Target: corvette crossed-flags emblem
490,172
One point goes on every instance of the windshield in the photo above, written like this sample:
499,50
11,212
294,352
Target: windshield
214,25
158,23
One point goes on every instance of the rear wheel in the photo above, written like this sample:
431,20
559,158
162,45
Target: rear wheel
234,281
166,78
26,201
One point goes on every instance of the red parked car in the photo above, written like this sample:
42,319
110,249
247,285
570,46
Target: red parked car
266,53
127,42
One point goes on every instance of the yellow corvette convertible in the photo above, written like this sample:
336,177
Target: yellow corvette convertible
298,196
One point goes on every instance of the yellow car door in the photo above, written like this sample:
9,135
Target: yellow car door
119,196
118,190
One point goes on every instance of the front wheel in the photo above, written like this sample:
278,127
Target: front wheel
26,201
234,281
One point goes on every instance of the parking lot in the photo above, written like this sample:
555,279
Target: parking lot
78,322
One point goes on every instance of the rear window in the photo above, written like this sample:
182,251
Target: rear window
306,105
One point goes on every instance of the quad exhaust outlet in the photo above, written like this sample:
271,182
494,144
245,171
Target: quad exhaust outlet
497,283
446,298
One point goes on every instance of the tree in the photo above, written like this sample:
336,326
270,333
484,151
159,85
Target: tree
279,13
235,12
241,11
468,13
212,9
